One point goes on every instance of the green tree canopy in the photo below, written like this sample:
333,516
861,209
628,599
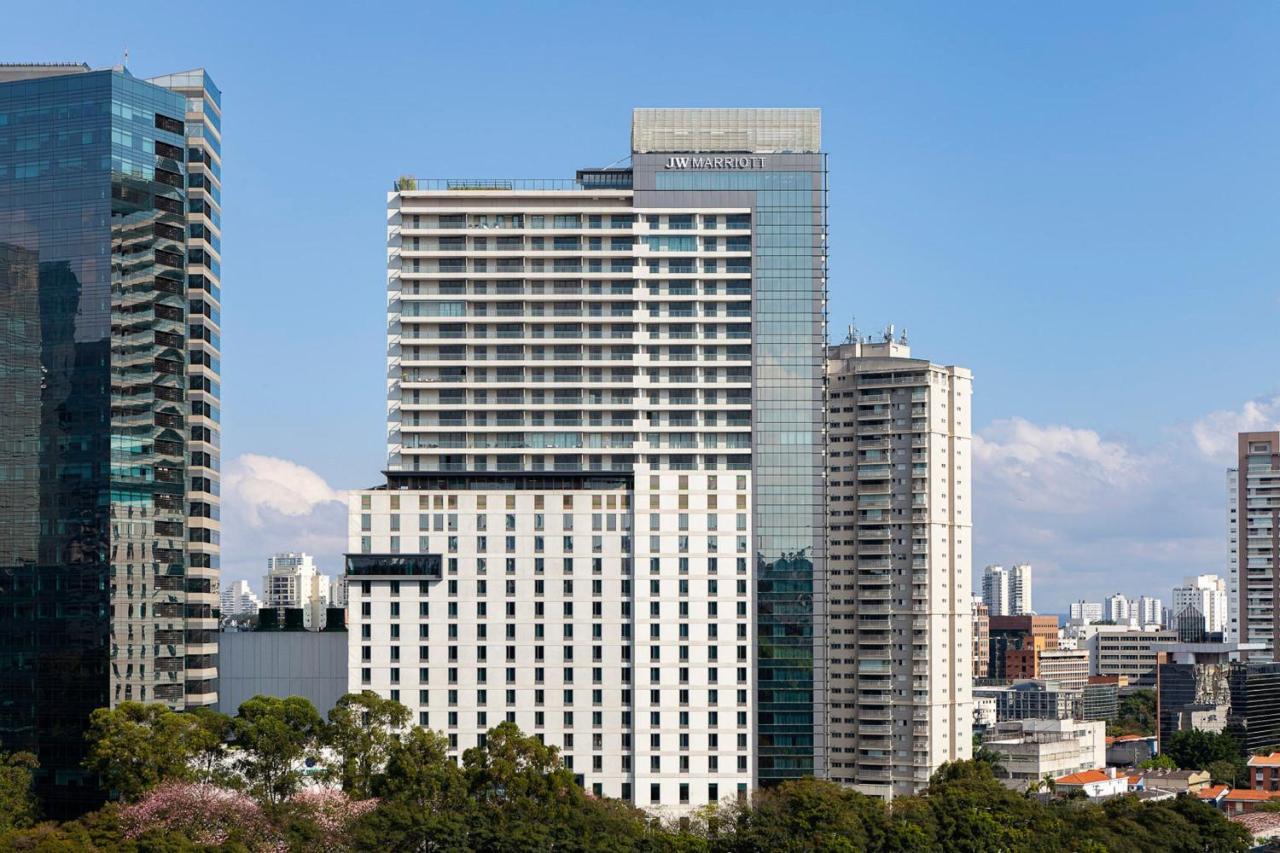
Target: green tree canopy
134,747
1196,750
1136,714
363,729
273,736
18,805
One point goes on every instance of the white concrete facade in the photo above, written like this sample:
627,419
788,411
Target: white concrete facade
292,580
631,651
901,616
1207,595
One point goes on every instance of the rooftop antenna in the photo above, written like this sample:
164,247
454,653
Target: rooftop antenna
902,338
126,56
888,334
851,337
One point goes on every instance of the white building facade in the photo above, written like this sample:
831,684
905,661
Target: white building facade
238,597
900,607
1020,590
604,511
995,591
1086,612
292,580
1207,596
1120,609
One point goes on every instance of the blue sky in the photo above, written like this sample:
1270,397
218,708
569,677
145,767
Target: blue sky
1077,201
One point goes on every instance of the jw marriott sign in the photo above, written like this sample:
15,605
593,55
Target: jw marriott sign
715,163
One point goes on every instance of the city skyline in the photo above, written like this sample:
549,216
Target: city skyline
1115,469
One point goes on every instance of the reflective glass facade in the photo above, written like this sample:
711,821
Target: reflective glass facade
788,286
93,411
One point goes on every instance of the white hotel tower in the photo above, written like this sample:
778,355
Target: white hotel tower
603,516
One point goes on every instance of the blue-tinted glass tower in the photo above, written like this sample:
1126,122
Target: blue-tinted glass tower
97,602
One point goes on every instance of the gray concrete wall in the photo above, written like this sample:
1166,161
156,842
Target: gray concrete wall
312,664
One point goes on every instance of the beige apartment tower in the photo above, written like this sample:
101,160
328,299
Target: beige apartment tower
899,528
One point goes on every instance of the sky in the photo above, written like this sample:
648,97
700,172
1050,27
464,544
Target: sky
1076,201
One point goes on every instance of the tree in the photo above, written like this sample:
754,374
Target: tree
18,805
1233,773
424,800
1195,749
273,737
209,755
1159,762
811,814
134,747
363,728
1136,715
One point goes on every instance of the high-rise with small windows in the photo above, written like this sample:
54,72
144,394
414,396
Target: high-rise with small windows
900,607
603,516
1253,572
108,546
995,591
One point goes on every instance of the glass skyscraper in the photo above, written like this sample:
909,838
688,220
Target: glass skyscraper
99,602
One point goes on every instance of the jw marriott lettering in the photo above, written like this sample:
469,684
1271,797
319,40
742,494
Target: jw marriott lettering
715,163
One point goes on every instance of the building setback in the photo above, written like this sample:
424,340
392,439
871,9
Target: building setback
108,549
604,511
900,607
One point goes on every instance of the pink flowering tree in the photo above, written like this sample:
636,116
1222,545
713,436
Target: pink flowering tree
329,816
206,814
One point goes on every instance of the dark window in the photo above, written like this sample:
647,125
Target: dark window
172,125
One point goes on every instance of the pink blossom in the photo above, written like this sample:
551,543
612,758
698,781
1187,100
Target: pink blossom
333,812
207,814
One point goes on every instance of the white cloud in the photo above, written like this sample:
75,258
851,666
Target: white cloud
254,483
271,504
1055,468
1215,433
1095,514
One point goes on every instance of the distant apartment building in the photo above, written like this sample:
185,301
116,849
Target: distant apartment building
237,598
1120,610
293,581
995,590
981,639
901,664
1020,590
1150,612
1206,597
1253,510
1085,612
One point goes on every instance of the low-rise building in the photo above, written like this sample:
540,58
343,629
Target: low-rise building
1130,652
1032,699
1246,800
1093,783
1031,749
1178,781
1130,750
1264,772
1100,697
